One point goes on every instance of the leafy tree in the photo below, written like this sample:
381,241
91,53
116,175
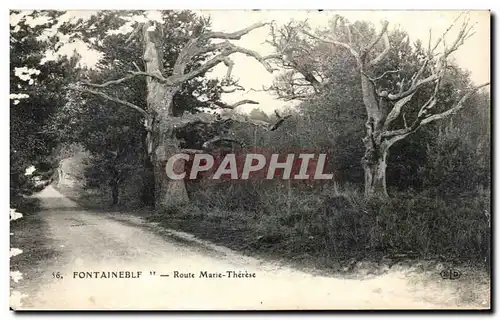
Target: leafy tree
36,93
177,50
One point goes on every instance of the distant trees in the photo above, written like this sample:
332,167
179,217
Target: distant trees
458,159
113,140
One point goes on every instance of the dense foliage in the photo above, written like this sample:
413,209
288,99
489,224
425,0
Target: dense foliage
37,93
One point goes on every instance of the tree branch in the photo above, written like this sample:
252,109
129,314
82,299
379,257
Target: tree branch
133,74
441,64
414,87
227,49
384,53
396,110
424,118
372,44
383,34
230,65
337,43
280,121
236,87
158,77
136,31
198,46
381,76
105,96
233,35
107,83
455,109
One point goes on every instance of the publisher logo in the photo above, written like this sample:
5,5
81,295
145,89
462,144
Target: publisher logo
450,274
261,164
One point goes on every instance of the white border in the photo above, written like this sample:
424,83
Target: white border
191,4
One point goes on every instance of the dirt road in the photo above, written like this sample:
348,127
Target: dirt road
92,245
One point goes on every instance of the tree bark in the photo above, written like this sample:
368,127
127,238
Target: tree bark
167,192
375,174
374,159
161,140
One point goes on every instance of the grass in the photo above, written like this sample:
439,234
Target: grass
88,198
333,229
329,228
99,199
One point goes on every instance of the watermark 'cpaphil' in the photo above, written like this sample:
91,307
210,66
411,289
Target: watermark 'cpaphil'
257,164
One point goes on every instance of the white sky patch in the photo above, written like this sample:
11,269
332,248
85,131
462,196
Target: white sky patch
124,29
14,19
14,215
154,16
16,276
25,73
140,18
15,251
89,57
128,27
65,47
17,96
29,171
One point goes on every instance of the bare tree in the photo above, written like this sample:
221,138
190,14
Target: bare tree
160,121
383,108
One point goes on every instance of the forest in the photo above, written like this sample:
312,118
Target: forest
405,129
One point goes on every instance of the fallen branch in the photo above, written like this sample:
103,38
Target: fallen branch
208,118
224,105
209,143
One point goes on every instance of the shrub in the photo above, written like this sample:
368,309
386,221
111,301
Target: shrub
227,195
412,223
326,222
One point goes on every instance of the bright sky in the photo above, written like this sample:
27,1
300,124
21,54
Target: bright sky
474,55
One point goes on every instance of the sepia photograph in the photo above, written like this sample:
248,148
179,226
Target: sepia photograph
227,160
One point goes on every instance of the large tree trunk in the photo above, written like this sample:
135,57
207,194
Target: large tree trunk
375,174
374,159
167,192
161,140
